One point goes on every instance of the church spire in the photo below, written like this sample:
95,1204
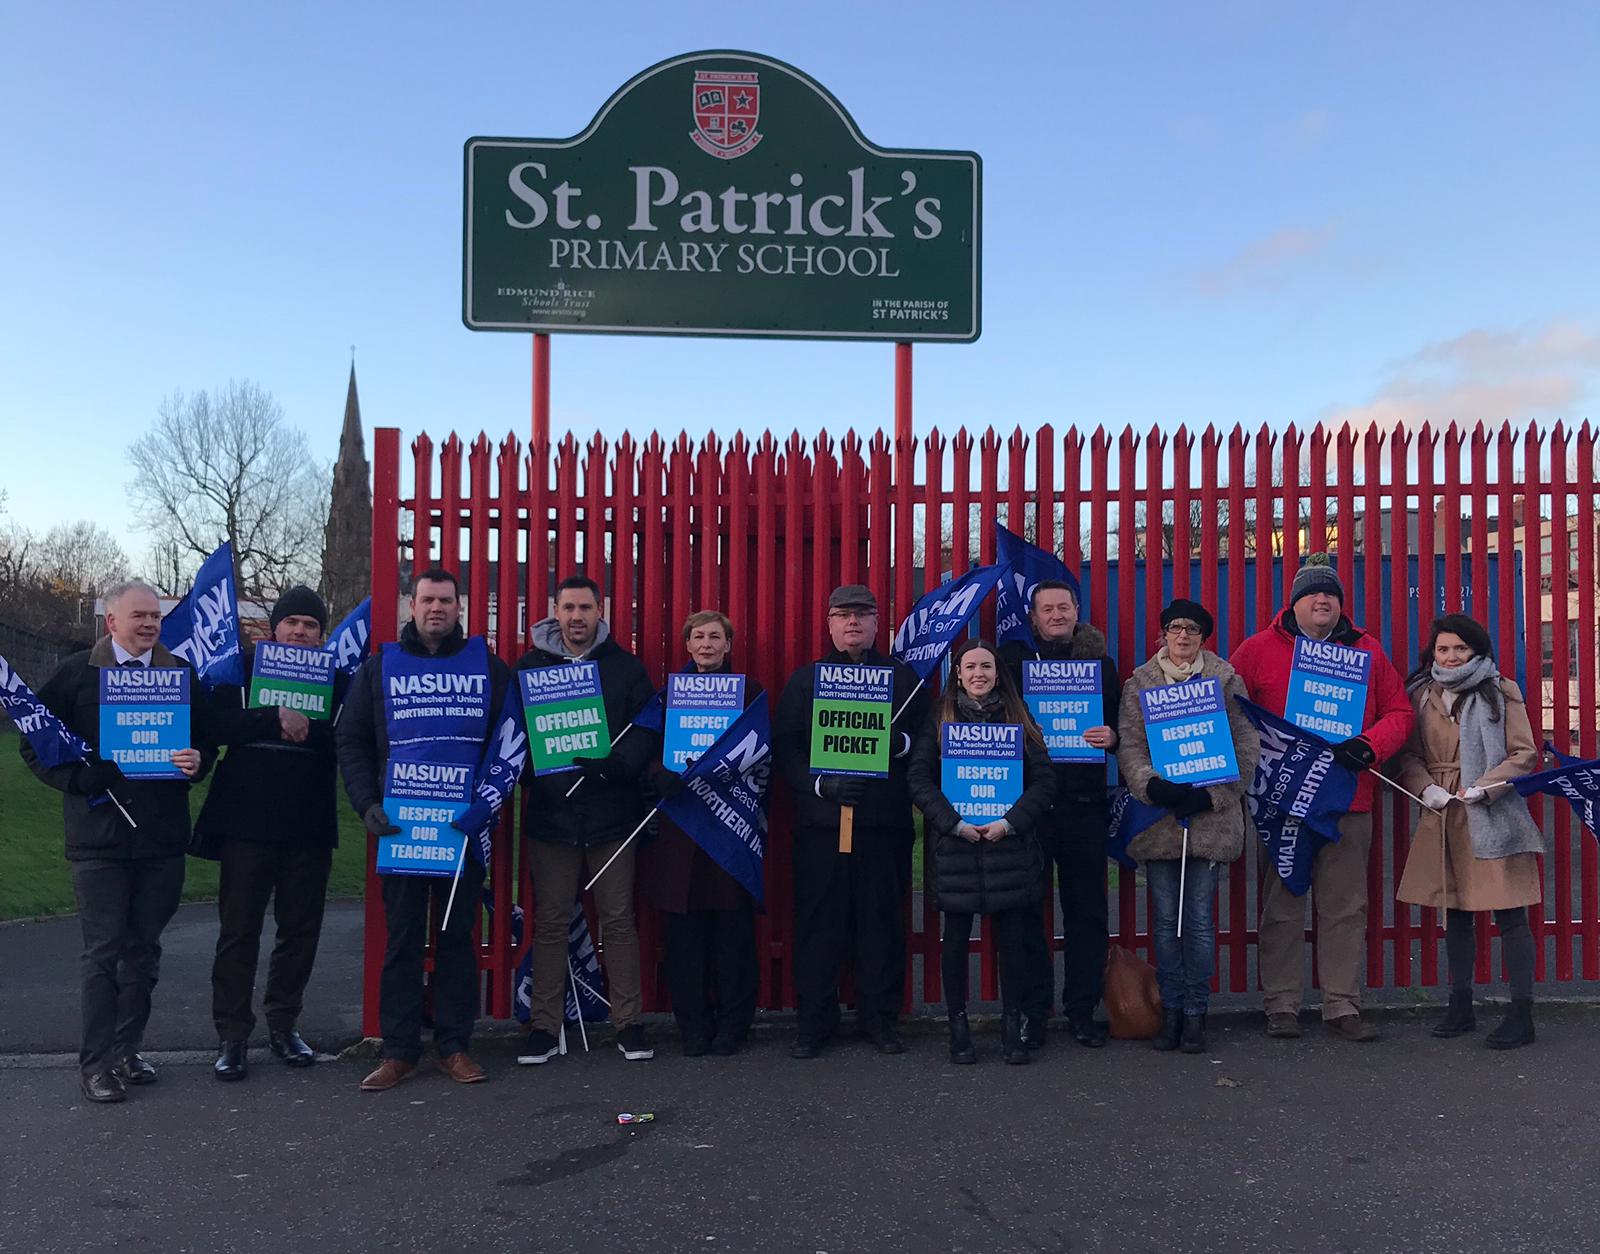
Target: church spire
347,538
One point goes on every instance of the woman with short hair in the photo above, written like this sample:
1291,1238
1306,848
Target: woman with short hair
1213,816
711,968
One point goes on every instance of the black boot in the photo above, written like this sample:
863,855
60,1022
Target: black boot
1516,1029
1458,1019
1170,1032
1011,1044
1194,1034
961,1038
230,1064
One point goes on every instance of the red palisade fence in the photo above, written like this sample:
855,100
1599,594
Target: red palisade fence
1499,523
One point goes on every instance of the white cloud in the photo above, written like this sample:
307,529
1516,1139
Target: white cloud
1487,375
1264,264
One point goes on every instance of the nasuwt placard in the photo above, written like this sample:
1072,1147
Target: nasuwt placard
144,718
1066,699
722,193
700,707
980,769
1328,688
292,677
566,715
1187,726
851,709
423,798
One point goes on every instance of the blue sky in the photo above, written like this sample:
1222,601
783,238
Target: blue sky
1233,212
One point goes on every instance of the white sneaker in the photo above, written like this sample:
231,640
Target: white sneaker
630,1040
538,1048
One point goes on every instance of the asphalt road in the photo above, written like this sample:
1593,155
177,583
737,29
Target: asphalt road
1315,1145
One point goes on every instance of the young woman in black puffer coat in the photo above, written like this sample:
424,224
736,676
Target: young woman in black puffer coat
995,868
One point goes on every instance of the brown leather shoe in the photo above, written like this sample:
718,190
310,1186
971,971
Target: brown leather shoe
1284,1026
388,1074
1353,1028
460,1068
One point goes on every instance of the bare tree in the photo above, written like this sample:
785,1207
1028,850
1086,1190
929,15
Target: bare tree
81,557
228,467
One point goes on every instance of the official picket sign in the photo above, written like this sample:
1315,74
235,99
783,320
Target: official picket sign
851,708
566,715
1328,688
1066,700
144,719
722,193
422,798
1187,725
980,768
699,709
294,678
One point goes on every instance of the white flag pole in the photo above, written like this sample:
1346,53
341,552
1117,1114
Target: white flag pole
455,883
620,848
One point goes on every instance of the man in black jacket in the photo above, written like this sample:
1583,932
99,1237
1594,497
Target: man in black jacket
576,823
270,819
127,879
433,658
1074,832
849,904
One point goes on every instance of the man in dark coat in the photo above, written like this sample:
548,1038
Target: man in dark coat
270,819
127,879
1073,834
432,648
849,904
576,823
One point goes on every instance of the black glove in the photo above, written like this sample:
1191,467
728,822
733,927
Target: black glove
1197,802
1163,792
846,790
377,822
669,784
94,778
608,767
1354,754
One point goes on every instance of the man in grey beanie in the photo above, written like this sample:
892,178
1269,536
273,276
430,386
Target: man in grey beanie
1265,662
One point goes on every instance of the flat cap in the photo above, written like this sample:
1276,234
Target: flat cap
853,596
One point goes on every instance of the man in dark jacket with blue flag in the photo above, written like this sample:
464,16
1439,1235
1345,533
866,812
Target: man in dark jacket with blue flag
575,823
270,819
127,857
433,656
849,904
1075,830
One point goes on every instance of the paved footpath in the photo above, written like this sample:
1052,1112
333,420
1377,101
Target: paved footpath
1315,1145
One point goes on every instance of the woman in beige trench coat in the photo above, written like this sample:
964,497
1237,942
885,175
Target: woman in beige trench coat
1476,847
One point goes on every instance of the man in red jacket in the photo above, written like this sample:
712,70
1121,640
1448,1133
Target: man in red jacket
1316,610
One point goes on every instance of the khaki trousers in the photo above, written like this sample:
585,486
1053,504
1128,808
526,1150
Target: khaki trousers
1339,886
558,872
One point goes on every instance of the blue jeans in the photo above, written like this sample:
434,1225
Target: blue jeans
1184,966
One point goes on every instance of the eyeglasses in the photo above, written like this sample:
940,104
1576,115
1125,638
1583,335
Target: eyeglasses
841,615
1183,629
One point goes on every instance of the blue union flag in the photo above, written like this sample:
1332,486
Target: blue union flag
1297,796
1576,779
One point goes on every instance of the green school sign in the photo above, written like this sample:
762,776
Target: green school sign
722,193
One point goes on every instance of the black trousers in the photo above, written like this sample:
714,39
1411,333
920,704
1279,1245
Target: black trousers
849,905
295,877
455,963
1011,930
123,906
712,972
1074,839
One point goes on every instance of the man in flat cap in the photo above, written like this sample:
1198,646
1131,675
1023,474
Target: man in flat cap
849,904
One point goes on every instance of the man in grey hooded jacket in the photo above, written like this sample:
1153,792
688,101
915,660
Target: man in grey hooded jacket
570,837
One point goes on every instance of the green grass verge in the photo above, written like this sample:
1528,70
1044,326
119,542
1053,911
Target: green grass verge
34,878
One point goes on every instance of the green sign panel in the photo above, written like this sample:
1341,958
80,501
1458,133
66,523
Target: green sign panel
722,193
566,715
293,677
851,709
